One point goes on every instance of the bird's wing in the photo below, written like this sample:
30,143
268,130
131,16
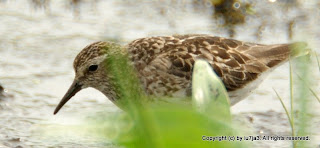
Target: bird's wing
236,63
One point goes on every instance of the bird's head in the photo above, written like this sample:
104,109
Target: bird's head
90,68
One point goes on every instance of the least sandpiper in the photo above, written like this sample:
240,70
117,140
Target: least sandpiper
164,64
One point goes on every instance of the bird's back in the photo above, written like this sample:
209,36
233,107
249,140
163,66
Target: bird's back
165,63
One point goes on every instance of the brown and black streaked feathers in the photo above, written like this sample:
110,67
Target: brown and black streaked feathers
168,60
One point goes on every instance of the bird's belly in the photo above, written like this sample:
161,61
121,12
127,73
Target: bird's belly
161,89
175,87
168,90
241,93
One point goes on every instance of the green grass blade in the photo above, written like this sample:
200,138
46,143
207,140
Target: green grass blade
288,115
291,96
311,90
316,55
208,92
132,99
303,65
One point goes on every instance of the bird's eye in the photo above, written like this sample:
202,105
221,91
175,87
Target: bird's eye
93,67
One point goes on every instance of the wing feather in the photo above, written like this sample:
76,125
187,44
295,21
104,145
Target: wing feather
172,58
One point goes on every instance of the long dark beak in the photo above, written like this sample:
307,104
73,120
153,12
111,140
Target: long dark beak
74,88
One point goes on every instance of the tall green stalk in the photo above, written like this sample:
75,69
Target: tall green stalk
303,101
291,103
132,99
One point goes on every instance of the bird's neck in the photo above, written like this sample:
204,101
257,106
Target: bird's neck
117,50
122,79
110,92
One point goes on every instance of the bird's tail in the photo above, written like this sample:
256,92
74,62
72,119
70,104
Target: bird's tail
274,55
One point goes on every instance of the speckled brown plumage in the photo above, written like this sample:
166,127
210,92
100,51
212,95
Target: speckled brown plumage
168,61
164,64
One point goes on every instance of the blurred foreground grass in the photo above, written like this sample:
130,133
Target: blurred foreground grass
299,118
160,124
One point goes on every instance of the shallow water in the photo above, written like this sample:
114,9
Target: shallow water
38,44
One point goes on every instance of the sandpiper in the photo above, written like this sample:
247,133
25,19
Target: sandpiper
164,64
